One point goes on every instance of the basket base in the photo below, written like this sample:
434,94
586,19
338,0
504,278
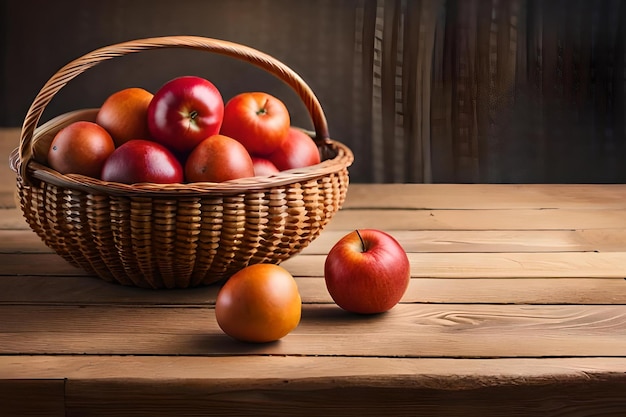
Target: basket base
179,242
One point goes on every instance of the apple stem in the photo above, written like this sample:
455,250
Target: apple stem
263,110
361,239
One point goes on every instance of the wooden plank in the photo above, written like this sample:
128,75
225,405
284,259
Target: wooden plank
9,140
613,240
68,290
451,241
492,265
36,264
350,396
434,373
259,385
21,241
453,219
443,219
408,330
487,196
449,196
518,291
523,219
604,240
346,396
12,219
7,198
119,385
426,265
87,290
31,397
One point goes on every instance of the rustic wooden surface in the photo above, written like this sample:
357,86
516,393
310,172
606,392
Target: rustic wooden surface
517,306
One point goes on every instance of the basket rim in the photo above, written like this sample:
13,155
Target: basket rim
342,159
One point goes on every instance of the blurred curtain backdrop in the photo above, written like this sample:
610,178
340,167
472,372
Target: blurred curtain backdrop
421,90
495,90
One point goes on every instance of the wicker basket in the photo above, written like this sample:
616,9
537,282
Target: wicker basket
175,235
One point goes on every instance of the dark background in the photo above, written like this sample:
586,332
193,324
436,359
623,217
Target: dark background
421,90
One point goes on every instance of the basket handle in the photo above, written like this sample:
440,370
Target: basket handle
234,50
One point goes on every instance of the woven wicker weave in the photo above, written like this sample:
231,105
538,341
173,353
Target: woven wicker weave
175,235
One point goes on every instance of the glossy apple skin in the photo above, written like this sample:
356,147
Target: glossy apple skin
368,276
184,112
263,166
139,160
258,120
218,158
297,151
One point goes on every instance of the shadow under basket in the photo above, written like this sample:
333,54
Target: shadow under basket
175,235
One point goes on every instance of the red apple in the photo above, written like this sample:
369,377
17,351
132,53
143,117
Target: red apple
297,151
141,160
218,158
367,272
263,166
258,120
184,112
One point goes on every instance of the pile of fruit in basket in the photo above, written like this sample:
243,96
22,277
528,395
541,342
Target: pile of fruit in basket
181,134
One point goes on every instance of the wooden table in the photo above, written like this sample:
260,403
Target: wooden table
517,306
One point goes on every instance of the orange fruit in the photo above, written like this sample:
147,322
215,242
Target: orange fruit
260,303
124,114
80,148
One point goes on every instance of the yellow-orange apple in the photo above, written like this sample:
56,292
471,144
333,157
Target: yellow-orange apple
124,115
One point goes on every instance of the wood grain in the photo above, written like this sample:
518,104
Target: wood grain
353,397
446,241
433,373
427,265
486,196
475,241
123,385
85,290
466,219
408,330
492,265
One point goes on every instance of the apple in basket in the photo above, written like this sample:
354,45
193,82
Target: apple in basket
263,166
184,112
218,158
298,150
140,160
367,271
81,147
258,120
124,114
